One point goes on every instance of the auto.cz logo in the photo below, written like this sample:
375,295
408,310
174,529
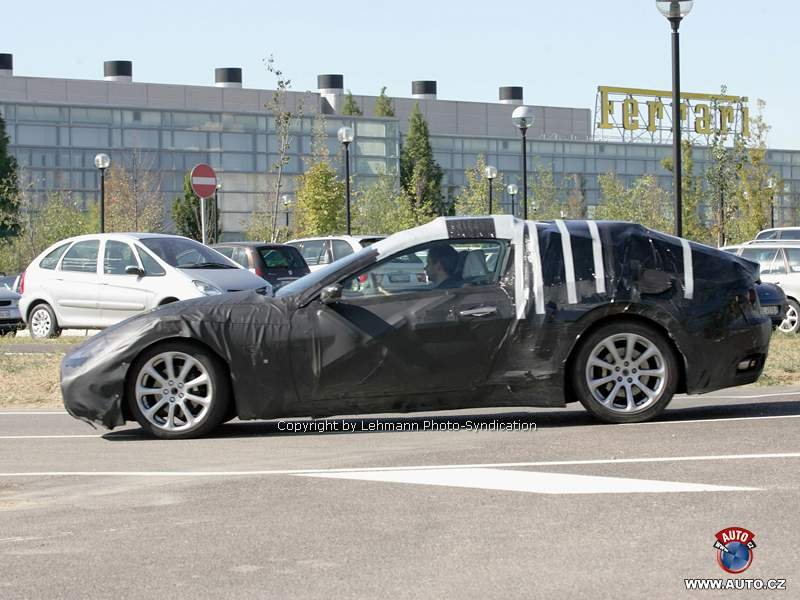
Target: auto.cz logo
734,547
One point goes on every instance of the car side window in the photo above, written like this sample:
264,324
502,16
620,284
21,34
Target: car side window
117,256
437,265
341,249
313,251
51,260
792,234
793,258
778,265
227,251
150,265
82,257
240,257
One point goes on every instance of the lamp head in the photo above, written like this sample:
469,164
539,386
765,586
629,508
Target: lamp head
102,161
346,135
523,117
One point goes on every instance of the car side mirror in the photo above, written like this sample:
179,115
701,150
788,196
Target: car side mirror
133,270
331,294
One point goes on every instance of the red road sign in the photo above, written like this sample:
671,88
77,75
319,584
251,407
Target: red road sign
203,180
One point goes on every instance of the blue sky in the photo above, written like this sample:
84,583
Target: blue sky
560,51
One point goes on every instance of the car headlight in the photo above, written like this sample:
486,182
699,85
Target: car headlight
207,288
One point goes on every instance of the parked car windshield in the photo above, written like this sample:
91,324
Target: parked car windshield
315,277
287,258
187,254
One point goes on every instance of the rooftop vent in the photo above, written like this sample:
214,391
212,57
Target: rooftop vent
118,70
228,77
511,95
6,65
423,90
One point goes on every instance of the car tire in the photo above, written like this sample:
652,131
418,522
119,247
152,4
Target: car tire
791,323
42,322
608,375
178,390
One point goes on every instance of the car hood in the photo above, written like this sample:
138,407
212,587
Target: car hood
238,327
228,280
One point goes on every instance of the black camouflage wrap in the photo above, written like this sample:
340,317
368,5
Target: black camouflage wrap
294,356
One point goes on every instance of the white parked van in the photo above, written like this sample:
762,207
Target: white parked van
94,281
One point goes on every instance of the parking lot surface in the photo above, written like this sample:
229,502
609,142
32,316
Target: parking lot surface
470,504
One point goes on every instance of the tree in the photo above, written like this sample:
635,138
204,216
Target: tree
320,198
41,224
9,189
383,105
722,175
473,198
134,201
186,215
691,195
420,175
757,184
264,220
645,202
576,198
382,208
543,199
350,107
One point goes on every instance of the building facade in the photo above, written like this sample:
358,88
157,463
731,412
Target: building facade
57,126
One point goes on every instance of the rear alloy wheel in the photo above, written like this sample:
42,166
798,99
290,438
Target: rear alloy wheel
177,390
625,372
42,322
791,323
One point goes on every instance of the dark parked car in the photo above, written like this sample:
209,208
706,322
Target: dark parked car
773,302
277,263
515,313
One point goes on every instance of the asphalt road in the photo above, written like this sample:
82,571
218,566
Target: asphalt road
571,509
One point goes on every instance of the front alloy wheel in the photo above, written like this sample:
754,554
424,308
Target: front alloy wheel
43,322
178,391
791,322
625,372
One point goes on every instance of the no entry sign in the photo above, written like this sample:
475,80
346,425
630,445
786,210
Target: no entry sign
203,180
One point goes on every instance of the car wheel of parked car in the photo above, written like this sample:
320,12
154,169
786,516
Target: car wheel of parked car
42,322
792,321
178,390
625,372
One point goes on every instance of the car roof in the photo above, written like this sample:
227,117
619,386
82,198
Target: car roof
355,238
124,235
252,245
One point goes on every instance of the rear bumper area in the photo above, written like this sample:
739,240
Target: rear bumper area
737,359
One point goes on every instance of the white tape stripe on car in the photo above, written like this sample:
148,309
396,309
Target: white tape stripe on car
536,267
569,265
521,294
597,247
688,270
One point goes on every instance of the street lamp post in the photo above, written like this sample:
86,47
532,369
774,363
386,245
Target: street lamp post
286,204
512,191
491,173
674,11
771,187
346,137
102,162
523,119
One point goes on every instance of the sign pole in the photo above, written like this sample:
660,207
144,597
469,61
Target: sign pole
203,218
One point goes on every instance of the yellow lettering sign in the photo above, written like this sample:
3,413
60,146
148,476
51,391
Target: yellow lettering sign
702,124
655,112
630,114
606,111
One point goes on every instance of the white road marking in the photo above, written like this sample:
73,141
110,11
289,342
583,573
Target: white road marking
26,413
555,463
48,437
719,420
529,481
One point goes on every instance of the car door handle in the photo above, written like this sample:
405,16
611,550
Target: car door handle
481,311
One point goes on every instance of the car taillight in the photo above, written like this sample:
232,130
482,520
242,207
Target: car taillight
363,278
752,296
22,283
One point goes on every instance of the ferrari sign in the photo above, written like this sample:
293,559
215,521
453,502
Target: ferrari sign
203,180
646,115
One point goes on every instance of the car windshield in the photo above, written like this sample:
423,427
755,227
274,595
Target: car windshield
313,279
287,258
187,254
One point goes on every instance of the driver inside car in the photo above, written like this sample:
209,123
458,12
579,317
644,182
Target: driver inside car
441,267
